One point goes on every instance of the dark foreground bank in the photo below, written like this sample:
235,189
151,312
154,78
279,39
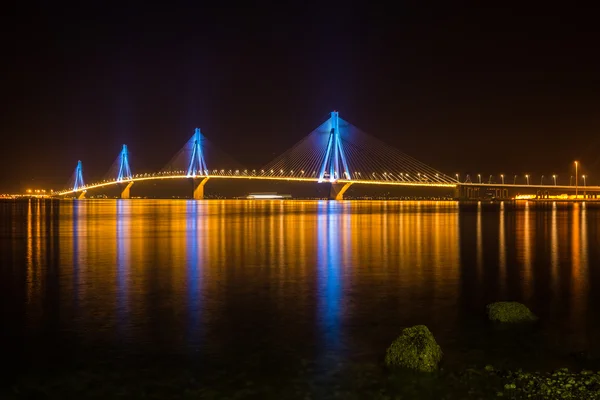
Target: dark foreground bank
302,381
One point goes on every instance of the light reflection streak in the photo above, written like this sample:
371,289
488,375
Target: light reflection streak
527,261
328,272
38,246
272,241
479,243
384,229
123,221
437,225
282,248
579,284
417,216
584,243
77,286
346,234
194,277
502,250
29,252
554,250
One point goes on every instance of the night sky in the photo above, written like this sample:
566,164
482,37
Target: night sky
489,90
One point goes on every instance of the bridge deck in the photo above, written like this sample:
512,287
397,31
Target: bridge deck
315,180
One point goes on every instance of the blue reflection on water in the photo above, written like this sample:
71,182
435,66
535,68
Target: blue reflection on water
122,264
328,272
193,275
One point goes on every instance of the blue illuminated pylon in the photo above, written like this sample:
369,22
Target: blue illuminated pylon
124,170
197,165
334,155
78,177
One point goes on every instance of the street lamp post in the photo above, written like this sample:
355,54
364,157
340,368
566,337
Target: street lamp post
576,181
479,176
584,185
502,177
527,177
542,181
457,180
515,180
554,177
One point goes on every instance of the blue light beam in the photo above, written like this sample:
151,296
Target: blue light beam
78,177
197,165
124,170
334,155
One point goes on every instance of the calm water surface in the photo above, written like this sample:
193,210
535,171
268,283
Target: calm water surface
260,284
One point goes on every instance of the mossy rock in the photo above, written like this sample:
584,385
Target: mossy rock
510,312
415,349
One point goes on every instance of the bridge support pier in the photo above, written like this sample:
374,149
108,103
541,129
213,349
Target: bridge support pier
338,189
199,188
81,196
126,192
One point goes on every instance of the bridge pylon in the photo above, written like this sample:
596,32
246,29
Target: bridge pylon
124,170
78,181
197,164
124,174
334,163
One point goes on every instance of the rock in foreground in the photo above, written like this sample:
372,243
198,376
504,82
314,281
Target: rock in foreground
510,312
558,385
416,349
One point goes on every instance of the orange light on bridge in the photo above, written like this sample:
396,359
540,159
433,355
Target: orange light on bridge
525,196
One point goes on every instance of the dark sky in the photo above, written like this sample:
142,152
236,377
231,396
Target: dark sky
464,89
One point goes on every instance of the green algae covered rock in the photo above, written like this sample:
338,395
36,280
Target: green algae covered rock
415,349
509,312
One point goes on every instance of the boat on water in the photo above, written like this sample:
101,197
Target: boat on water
268,196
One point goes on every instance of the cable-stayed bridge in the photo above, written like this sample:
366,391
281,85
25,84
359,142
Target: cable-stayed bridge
336,153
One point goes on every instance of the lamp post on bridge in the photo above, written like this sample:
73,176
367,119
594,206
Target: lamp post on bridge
554,177
515,180
584,184
542,181
457,180
479,177
576,181
527,177
502,177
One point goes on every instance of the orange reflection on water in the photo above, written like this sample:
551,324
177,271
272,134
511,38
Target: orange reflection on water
525,238
579,267
502,250
126,263
479,244
415,245
554,249
187,274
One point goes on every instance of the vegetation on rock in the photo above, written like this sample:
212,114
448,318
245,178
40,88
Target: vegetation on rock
415,349
509,312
